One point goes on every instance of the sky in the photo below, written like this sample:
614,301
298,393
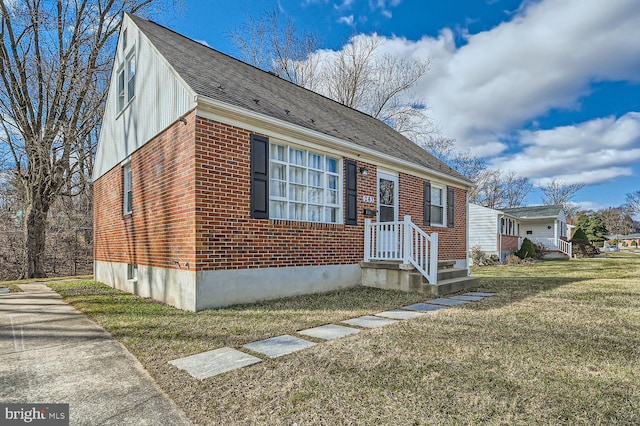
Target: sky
547,88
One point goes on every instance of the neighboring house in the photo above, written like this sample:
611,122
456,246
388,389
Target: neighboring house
216,183
501,231
493,231
628,240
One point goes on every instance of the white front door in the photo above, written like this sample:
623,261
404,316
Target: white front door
388,212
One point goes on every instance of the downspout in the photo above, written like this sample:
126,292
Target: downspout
467,248
499,225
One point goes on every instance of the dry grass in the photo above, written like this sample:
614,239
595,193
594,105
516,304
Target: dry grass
559,344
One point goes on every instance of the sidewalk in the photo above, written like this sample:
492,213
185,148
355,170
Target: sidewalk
50,353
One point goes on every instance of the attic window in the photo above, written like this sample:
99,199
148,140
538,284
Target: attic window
126,81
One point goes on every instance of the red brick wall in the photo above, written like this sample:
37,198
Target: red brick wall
509,242
228,238
451,241
191,191
160,229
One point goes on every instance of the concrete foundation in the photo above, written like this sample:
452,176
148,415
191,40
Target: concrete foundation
230,287
172,286
195,291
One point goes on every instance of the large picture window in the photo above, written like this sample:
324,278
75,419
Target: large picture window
304,185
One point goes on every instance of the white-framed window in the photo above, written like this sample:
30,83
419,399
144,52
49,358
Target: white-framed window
131,75
132,272
126,81
128,188
438,203
304,185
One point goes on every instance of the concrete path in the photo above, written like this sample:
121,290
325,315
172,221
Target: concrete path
50,353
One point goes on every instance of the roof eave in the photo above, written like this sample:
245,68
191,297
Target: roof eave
223,107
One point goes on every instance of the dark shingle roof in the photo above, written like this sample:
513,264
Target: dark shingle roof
533,212
220,77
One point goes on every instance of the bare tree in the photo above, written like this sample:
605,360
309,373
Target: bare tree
55,62
633,202
497,190
272,43
617,220
359,75
558,193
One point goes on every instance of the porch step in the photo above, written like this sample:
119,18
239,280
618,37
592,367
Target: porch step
397,276
452,285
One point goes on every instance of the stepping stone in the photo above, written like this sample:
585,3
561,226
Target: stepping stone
480,294
467,298
424,307
369,321
447,302
279,346
212,363
399,314
329,331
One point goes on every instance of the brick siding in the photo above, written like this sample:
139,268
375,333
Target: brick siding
160,230
191,192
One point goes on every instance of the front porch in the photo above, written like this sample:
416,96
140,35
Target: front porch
401,256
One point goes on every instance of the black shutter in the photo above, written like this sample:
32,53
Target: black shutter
450,205
351,198
259,177
427,204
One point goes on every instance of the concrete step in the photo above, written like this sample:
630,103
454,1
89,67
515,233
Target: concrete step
451,285
446,264
451,273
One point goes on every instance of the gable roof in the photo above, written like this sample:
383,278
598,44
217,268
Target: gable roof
217,76
535,212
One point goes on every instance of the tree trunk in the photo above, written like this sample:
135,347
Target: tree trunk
35,230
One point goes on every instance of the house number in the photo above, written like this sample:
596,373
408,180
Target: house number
368,198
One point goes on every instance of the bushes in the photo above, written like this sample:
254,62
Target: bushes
580,245
579,235
480,258
527,250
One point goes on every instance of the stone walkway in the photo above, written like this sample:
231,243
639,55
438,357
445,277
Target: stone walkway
223,360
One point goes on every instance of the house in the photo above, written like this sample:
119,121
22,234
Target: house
501,231
216,183
493,231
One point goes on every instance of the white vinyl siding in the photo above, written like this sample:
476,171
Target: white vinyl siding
483,228
304,185
126,129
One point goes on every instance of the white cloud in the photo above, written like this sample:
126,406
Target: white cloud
346,20
595,151
346,4
545,57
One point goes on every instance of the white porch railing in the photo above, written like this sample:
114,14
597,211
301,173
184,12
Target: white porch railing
565,247
402,241
554,244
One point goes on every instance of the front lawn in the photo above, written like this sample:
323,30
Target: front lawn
557,345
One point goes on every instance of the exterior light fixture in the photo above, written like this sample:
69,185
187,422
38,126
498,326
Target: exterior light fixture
364,171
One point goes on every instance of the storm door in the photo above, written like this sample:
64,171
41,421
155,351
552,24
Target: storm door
388,212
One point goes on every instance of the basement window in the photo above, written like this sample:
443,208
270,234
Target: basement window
132,272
